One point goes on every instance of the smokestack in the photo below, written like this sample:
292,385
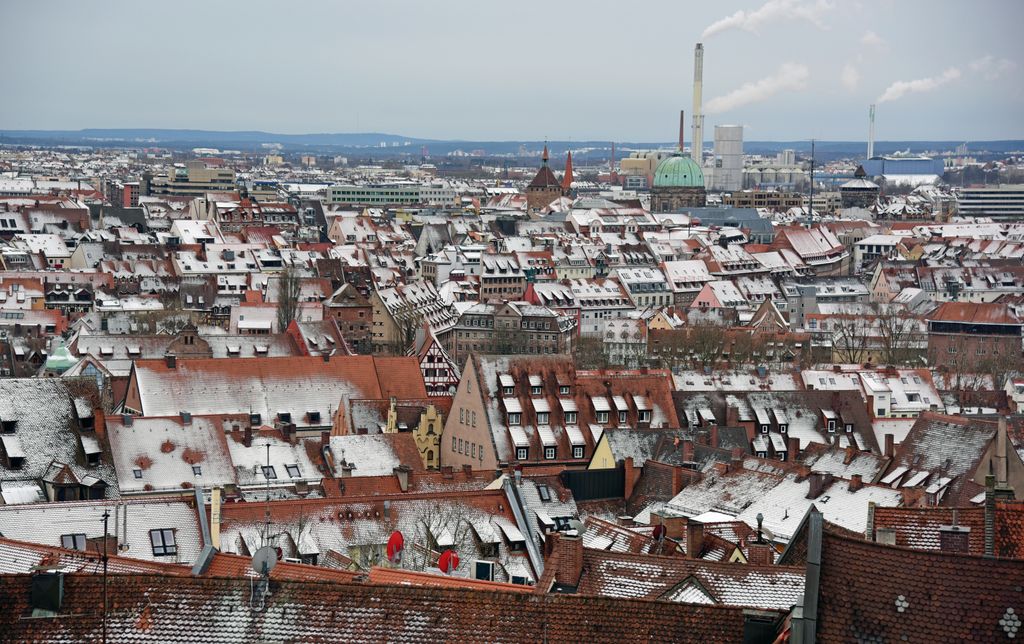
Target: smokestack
682,130
698,113
871,131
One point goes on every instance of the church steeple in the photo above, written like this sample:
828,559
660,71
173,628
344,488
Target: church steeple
544,157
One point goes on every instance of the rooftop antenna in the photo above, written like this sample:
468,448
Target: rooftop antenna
106,516
264,559
810,203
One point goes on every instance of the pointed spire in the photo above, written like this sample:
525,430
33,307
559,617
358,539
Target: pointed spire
544,157
567,177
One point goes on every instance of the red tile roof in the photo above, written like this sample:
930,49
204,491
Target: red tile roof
164,609
944,597
974,313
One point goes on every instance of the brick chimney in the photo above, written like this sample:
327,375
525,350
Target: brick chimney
856,482
687,450
818,483
760,554
954,538
848,457
631,475
247,436
99,422
570,559
694,538
890,445
325,439
714,435
793,443
171,360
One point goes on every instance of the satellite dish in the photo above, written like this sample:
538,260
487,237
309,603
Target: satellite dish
264,560
396,543
448,562
577,525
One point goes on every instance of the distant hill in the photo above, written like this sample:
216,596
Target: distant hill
391,145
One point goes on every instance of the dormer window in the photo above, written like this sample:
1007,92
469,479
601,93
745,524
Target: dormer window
73,541
577,451
549,453
535,390
831,426
543,417
849,428
783,428
563,390
570,418
602,417
515,418
643,416
622,418
522,453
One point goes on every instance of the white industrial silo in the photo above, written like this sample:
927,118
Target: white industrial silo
728,175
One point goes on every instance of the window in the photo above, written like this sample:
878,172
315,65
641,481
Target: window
534,391
454,443
549,453
543,417
73,541
577,451
643,416
514,418
163,542
137,472
831,426
269,472
472,449
462,416
293,470
602,417
506,391
570,418
622,418
520,579
563,390
483,570
473,421
460,445
197,470
544,492
522,453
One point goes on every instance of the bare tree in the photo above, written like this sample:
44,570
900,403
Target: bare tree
851,336
707,342
289,287
588,353
899,334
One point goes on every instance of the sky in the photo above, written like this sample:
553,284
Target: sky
481,70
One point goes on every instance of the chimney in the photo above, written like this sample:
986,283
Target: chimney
890,449
869,532
736,462
682,129
247,436
818,482
467,469
848,457
99,422
694,538
688,450
856,482
954,538
760,554
325,439
631,475
570,559
404,475
886,536
714,435
172,361
793,443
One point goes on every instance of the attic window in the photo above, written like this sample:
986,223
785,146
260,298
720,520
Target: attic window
163,542
293,470
314,416
197,470
535,390
563,390
522,453
577,451
73,541
544,492
284,416
137,472
269,472
549,453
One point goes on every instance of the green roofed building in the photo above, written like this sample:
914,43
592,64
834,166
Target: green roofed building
678,183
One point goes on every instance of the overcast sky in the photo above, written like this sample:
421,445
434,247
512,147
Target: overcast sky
476,69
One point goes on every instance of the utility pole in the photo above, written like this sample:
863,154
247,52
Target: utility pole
106,516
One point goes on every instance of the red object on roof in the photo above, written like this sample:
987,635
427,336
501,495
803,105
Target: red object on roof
396,542
448,562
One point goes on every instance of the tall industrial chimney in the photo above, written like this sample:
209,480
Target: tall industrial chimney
682,130
871,131
698,114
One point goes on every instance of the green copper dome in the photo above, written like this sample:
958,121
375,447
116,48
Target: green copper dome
60,360
678,171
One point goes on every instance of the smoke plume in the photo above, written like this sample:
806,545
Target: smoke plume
771,11
899,89
789,76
